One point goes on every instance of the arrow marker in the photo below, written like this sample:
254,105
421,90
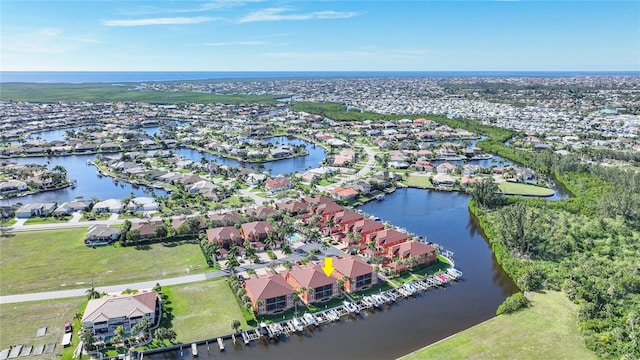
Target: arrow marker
328,266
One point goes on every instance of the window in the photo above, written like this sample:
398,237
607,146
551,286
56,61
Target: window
363,280
323,292
276,303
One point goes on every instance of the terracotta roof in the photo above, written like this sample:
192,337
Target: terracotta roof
223,234
328,208
388,236
346,216
263,288
367,225
257,228
292,206
352,266
311,276
411,248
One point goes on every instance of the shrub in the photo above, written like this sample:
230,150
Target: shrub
513,303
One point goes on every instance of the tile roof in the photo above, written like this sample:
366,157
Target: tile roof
267,287
112,306
352,266
311,276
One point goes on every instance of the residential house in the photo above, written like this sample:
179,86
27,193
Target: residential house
147,229
343,219
109,205
257,230
344,194
293,207
443,179
73,206
143,204
261,213
278,184
312,276
386,238
327,209
36,209
178,222
224,236
269,294
357,273
365,227
12,185
104,315
446,168
421,254
226,219
101,235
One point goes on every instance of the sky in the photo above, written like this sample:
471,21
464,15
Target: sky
365,35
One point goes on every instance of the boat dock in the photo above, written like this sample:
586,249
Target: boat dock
352,307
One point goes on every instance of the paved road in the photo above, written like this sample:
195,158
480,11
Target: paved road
371,162
61,294
19,226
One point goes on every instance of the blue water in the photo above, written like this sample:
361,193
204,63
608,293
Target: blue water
137,76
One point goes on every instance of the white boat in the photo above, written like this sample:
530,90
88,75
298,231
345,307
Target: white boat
351,307
311,320
379,302
221,344
194,350
297,324
367,300
380,197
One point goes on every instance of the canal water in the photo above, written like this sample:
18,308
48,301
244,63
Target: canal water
314,158
410,324
88,182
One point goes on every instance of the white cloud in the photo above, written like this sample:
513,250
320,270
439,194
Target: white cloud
160,21
44,41
278,14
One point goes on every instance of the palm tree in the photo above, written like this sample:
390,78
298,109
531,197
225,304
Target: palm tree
92,293
118,334
142,327
235,324
88,339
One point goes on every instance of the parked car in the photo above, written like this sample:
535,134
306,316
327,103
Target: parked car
68,327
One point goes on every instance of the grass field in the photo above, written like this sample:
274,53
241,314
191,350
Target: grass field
203,310
547,330
524,189
21,321
58,259
107,92
419,181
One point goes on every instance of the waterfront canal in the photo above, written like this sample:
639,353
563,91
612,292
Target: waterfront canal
410,324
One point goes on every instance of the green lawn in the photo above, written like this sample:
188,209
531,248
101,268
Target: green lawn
46,220
547,330
20,322
203,310
524,189
419,181
58,259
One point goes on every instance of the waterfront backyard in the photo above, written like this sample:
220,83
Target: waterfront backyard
52,260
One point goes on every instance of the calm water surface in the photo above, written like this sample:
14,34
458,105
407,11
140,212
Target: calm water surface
410,324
